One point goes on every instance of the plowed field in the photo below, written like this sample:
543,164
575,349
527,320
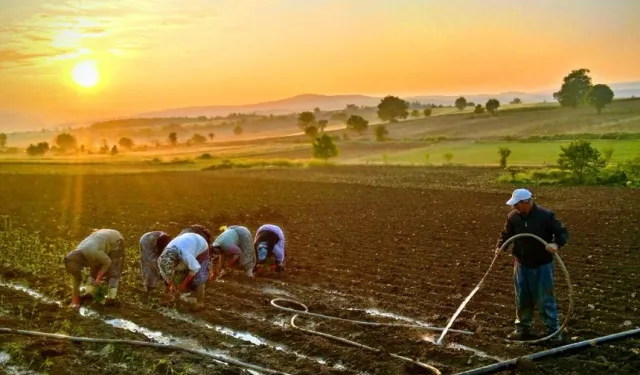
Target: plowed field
370,243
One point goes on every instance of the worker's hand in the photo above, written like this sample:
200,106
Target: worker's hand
552,248
98,279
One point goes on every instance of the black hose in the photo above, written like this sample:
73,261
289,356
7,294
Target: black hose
506,365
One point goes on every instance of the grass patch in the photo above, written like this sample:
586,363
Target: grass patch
243,164
612,176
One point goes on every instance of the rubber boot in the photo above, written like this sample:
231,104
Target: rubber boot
111,300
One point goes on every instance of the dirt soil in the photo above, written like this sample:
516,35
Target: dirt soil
408,241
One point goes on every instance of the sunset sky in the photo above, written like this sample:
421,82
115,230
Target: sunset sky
169,53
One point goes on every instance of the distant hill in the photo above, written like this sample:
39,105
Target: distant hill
307,102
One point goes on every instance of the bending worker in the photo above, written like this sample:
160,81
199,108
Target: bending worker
103,252
269,243
185,263
533,269
236,242
151,246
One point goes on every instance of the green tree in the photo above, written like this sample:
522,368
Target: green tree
66,142
504,153
516,101
599,96
3,139
607,154
492,106
479,109
126,143
311,131
173,138
391,108
448,157
324,147
357,124
427,112
461,103
574,88
238,130
306,119
322,124
415,113
198,138
581,159
381,133
38,150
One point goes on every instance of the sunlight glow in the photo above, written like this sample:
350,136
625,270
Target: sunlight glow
85,73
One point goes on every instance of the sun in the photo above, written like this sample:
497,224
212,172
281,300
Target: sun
85,73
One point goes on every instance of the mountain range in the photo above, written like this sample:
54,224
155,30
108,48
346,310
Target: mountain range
307,102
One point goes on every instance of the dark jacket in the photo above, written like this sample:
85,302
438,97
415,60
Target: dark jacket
541,222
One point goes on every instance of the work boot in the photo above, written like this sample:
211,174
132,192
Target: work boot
557,339
519,335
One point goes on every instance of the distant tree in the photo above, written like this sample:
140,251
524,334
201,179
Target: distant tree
198,138
574,88
461,103
212,136
322,124
492,106
448,157
306,119
339,116
3,139
38,150
415,113
357,124
607,154
345,136
324,147
427,112
580,158
599,96
381,133
504,153
392,107
114,150
471,104
126,143
317,111
238,130
66,142
479,109
516,101
105,147
351,107
311,131
81,148
173,138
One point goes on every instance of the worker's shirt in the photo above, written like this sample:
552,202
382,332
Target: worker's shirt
541,222
102,245
190,246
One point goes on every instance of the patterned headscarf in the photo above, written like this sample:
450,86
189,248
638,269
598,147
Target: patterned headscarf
167,262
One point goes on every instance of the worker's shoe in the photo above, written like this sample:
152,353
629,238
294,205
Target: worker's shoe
519,335
557,339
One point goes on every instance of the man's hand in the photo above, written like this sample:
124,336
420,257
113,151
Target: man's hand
98,279
552,248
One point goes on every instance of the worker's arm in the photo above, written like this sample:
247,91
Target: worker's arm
560,233
193,265
506,233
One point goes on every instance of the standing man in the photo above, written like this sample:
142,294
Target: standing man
533,269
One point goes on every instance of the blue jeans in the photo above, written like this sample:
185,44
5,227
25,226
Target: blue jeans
534,289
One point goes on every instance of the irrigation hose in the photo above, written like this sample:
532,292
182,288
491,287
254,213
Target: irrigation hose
229,361
558,260
306,312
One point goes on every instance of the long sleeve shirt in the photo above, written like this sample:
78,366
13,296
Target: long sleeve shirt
543,223
274,237
185,248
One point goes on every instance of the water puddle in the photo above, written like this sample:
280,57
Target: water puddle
155,336
386,314
460,347
13,370
276,291
244,336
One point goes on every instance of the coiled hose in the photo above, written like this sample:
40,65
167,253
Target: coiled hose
220,358
502,248
305,311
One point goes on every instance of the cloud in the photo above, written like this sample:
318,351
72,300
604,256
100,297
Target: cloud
15,58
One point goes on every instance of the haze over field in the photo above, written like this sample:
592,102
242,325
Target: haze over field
74,62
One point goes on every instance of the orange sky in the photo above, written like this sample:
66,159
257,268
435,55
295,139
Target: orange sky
155,54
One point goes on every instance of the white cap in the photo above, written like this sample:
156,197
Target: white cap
519,195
